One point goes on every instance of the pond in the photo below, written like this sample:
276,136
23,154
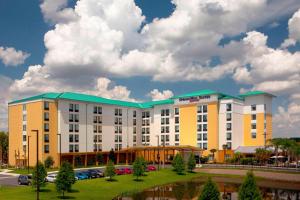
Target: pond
228,187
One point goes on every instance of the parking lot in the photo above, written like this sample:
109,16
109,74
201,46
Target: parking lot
8,180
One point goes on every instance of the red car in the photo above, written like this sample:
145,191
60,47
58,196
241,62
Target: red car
119,171
127,171
151,168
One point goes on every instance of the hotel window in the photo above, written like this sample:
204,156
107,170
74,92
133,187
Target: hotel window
71,107
71,148
199,118
228,136
162,129
46,138
100,110
134,122
120,129
199,137
134,130
76,107
199,127
76,128
46,148
167,121
147,130
253,116
46,105
167,138
24,138
76,138
71,138
167,129
228,107
95,110
162,121
24,127
205,136
24,107
147,138
253,135
167,112
147,114
46,127
177,138
228,145
71,117
228,116
176,120
71,128
143,114
147,122
76,117
134,113
120,121
143,130
95,128
176,128
162,113
46,116
199,109
199,145
76,148
204,108
95,119
116,138
205,146
24,117
228,126
99,129
95,138
143,138
253,126
162,138
204,127
204,118
176,111
134,138
253,107
100,119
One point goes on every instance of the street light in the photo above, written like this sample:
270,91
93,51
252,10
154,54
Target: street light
37,163
59,148
28,153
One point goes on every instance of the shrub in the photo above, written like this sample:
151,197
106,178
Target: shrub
138,167
110,170
100,159
249,189
178,164
49,162
111,155
65,178
191,165
210,191
38,176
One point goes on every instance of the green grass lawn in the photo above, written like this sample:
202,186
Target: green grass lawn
99,188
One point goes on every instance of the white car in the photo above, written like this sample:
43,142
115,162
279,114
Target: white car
51,178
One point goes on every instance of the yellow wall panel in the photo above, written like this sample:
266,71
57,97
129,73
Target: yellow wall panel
213,126
259,140
188,125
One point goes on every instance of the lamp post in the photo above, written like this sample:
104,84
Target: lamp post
59,148
37,163
28,153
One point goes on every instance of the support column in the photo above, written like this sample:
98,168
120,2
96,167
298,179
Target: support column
73,161
85,160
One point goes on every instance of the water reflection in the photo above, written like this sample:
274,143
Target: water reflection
228,187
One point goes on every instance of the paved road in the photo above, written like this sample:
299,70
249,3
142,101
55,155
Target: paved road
280,176
8,180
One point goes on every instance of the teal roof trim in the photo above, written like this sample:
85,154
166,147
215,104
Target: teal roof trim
50,95
254,93
197,93
232,97
150,104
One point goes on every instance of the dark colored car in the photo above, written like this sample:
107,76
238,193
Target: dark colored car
25,180
94,173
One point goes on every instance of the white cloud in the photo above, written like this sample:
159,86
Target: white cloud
12,57
4,93
157,95
294,30
55,11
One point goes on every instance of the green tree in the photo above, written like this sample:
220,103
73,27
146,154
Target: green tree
249,189
138,167
276,143
49,162
110,170
191,165
111,155
178,164
38,176
65,178
262,155
3,146
210,191
99,158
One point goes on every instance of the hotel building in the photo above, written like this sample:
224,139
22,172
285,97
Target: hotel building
72,124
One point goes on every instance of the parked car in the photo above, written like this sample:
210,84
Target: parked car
119,171
127,170
51,178
25,180
151,168
80,176
94,173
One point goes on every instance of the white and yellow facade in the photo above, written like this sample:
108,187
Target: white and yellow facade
86,124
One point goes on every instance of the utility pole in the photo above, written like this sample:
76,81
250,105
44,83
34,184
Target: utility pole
37,163
59,148
28,153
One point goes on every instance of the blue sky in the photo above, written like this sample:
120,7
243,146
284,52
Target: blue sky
24,25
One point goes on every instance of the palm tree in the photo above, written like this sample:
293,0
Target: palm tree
213,151
276,143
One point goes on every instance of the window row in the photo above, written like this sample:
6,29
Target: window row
118,147
165,121
176,137
97,138
176,111
73,107
202,118
228,116
73,148
145,130
118,129
118,120
97,110
97,129
201,137
118,112
73,118
46,116
228,107
74,138
74,128
202,109
165,138
165,129
97,147
202,127
165,112
145,122
146,114
46,105
97,119
176,120
202,145
146,138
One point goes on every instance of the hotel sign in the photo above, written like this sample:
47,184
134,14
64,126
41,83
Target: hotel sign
196,99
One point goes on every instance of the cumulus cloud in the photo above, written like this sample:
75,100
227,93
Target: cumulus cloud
55,11
157,95
294,30
12,57
4,93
